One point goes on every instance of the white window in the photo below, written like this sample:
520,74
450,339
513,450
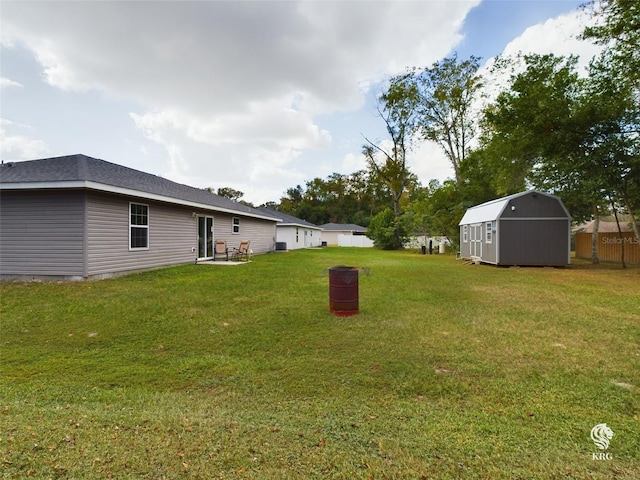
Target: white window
490,230
235,225
138,226
465,233
297,235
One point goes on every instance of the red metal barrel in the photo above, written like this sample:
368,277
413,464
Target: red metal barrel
343,291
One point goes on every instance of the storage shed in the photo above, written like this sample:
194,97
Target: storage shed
528,228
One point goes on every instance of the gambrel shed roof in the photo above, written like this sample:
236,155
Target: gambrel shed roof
492,210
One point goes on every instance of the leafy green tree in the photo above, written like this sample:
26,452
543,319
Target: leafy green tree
448,203
530,122
479,180
398,108
231,193
616,80
339,198
613,116
574,136
447,93
417,217
539,133
271,205
617,29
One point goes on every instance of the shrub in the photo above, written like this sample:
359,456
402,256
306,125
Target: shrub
386,231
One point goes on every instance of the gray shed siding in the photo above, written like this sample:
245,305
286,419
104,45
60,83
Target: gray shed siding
534,242
465,249
42,234
533,205
172,236
489,251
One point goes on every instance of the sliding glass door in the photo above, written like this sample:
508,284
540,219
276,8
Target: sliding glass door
205,237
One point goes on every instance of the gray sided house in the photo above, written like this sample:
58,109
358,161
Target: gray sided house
293,233
528,228
77,217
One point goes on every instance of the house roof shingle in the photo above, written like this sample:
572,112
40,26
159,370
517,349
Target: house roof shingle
81,170
603,227
288,219
343,227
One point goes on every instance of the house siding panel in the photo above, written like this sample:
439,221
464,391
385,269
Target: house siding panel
42,234
172,236
288,235
261,233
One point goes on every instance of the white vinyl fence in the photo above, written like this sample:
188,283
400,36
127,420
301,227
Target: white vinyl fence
354,241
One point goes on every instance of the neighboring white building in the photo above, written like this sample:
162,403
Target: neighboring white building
418,241
333,233
293,233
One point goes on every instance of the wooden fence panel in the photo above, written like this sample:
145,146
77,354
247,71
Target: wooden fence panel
610,247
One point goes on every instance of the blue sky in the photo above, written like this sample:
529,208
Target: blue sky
492,24
259,96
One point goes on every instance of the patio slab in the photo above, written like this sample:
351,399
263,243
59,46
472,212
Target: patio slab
222,262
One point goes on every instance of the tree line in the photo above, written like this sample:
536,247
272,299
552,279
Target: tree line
552,127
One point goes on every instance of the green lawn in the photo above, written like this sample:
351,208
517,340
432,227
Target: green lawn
449,371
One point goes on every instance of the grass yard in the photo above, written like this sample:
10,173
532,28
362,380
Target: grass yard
210,372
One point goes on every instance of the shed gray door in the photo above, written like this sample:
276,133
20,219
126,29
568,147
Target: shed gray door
475,240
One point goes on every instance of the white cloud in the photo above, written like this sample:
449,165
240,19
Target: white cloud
558,36
429,162
233,89
210,57
19,147
7,82
234,92
257,148
352,163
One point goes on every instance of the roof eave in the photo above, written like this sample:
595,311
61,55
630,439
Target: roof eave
299,225
101,187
